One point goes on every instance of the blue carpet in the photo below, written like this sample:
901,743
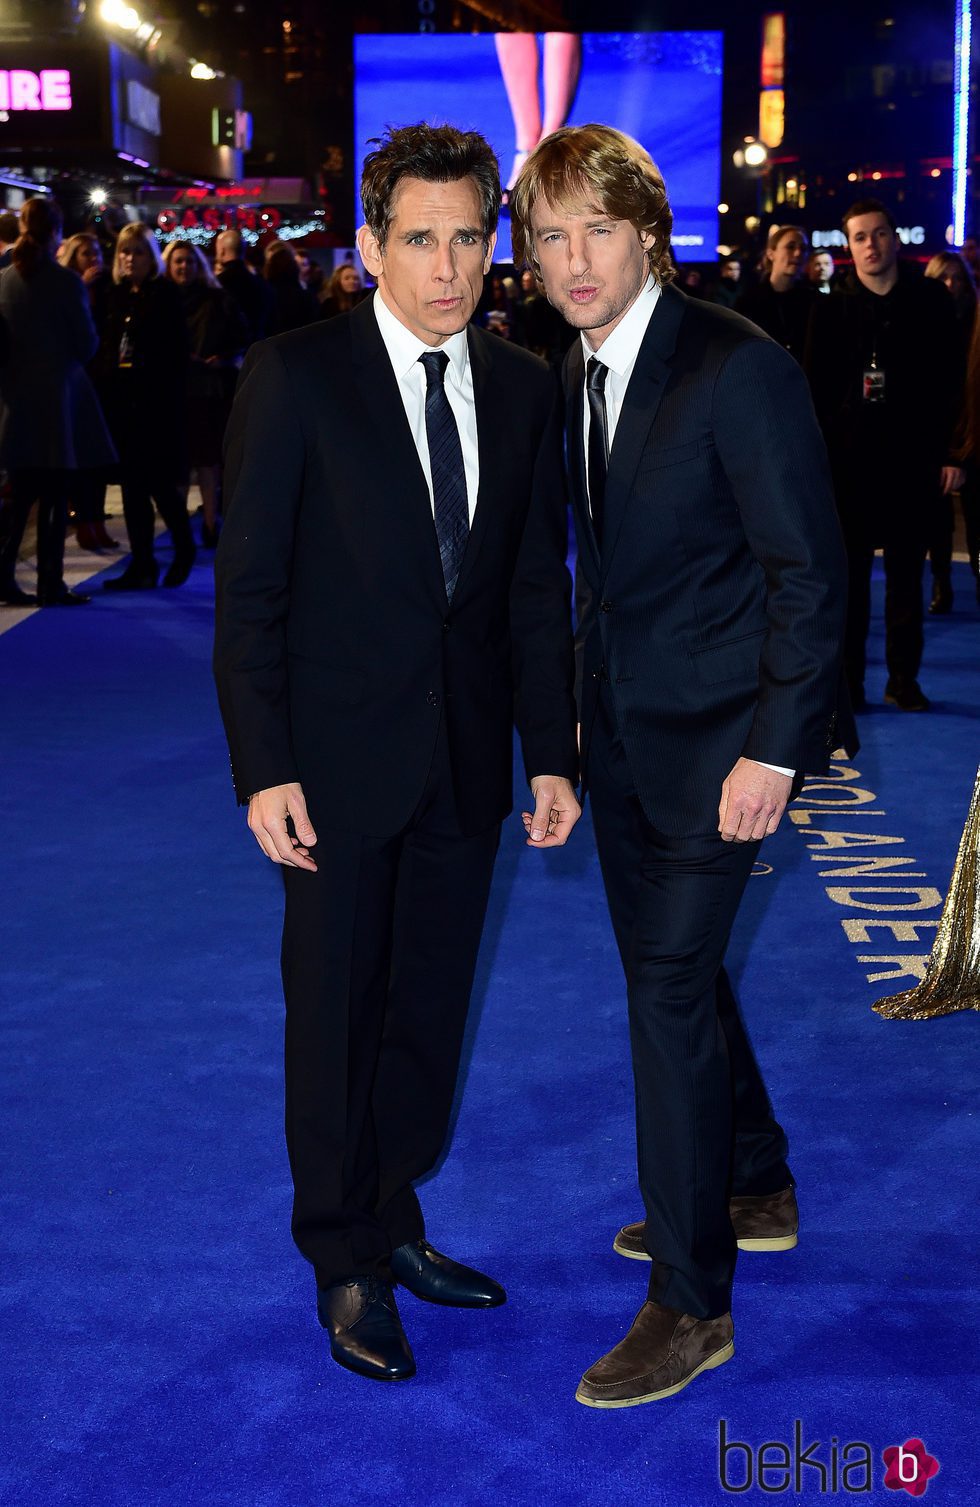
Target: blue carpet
158,1341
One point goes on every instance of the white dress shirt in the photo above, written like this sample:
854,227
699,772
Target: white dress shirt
618,352
404,350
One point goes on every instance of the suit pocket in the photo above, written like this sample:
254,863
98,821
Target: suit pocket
673,456
736,659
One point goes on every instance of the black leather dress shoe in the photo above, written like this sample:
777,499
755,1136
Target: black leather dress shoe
63,598
366,1334
12,596
134,580
438,1279
942,597
180,569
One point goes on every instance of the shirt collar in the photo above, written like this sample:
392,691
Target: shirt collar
404,348
621,347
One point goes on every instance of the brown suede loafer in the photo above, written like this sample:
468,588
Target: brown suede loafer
663,1351
766,1222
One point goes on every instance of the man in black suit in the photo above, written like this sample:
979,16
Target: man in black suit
710,634
392,596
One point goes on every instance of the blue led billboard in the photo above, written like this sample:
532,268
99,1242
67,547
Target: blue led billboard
663,88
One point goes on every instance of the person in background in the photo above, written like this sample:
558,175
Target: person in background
951,269
51,426
292,305
885,366
543,330
725,290
9,231
250,291
820,271
82,254
971,255
968,455
310,273
142,363
781,303
343,291
218,336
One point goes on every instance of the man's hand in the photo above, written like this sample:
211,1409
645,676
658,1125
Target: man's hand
556,810
267,813
753,799
951,479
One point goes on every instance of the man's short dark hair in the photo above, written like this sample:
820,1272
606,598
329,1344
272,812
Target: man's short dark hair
9,227
869,207
435,154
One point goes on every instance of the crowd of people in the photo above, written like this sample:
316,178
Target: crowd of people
122,367
119,365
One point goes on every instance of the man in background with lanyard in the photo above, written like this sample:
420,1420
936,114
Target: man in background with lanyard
885,369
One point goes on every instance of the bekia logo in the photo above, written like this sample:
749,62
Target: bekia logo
910,1467
778,1466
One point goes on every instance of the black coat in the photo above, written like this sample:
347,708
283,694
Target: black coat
146,402
912,333
251,293
783,316
49,413
336,653
717,606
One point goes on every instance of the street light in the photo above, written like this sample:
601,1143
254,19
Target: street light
755,154
117,13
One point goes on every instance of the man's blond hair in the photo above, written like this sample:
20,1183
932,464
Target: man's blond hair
605,169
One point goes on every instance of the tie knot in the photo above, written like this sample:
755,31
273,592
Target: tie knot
435,363
595,375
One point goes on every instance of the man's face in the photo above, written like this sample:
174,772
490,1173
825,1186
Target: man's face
731,271
592,266
225,250
431,269
787,255
873,245
821,267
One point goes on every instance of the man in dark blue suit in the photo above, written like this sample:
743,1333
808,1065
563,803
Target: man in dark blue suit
710,663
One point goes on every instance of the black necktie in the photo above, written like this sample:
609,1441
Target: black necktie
598,457
446,463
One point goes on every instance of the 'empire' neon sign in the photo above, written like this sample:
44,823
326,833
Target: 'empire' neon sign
22,90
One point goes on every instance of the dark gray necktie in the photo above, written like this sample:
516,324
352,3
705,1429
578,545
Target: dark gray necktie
598,456
446,463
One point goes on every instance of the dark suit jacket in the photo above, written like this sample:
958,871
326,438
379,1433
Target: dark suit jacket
50,417
717,608
336,651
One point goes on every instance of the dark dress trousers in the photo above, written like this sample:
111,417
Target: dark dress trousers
341,664
712,625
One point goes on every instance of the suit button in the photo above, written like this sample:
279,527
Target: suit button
446,625
432,699
605,606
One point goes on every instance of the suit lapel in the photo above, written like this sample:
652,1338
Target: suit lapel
393,466
643,398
